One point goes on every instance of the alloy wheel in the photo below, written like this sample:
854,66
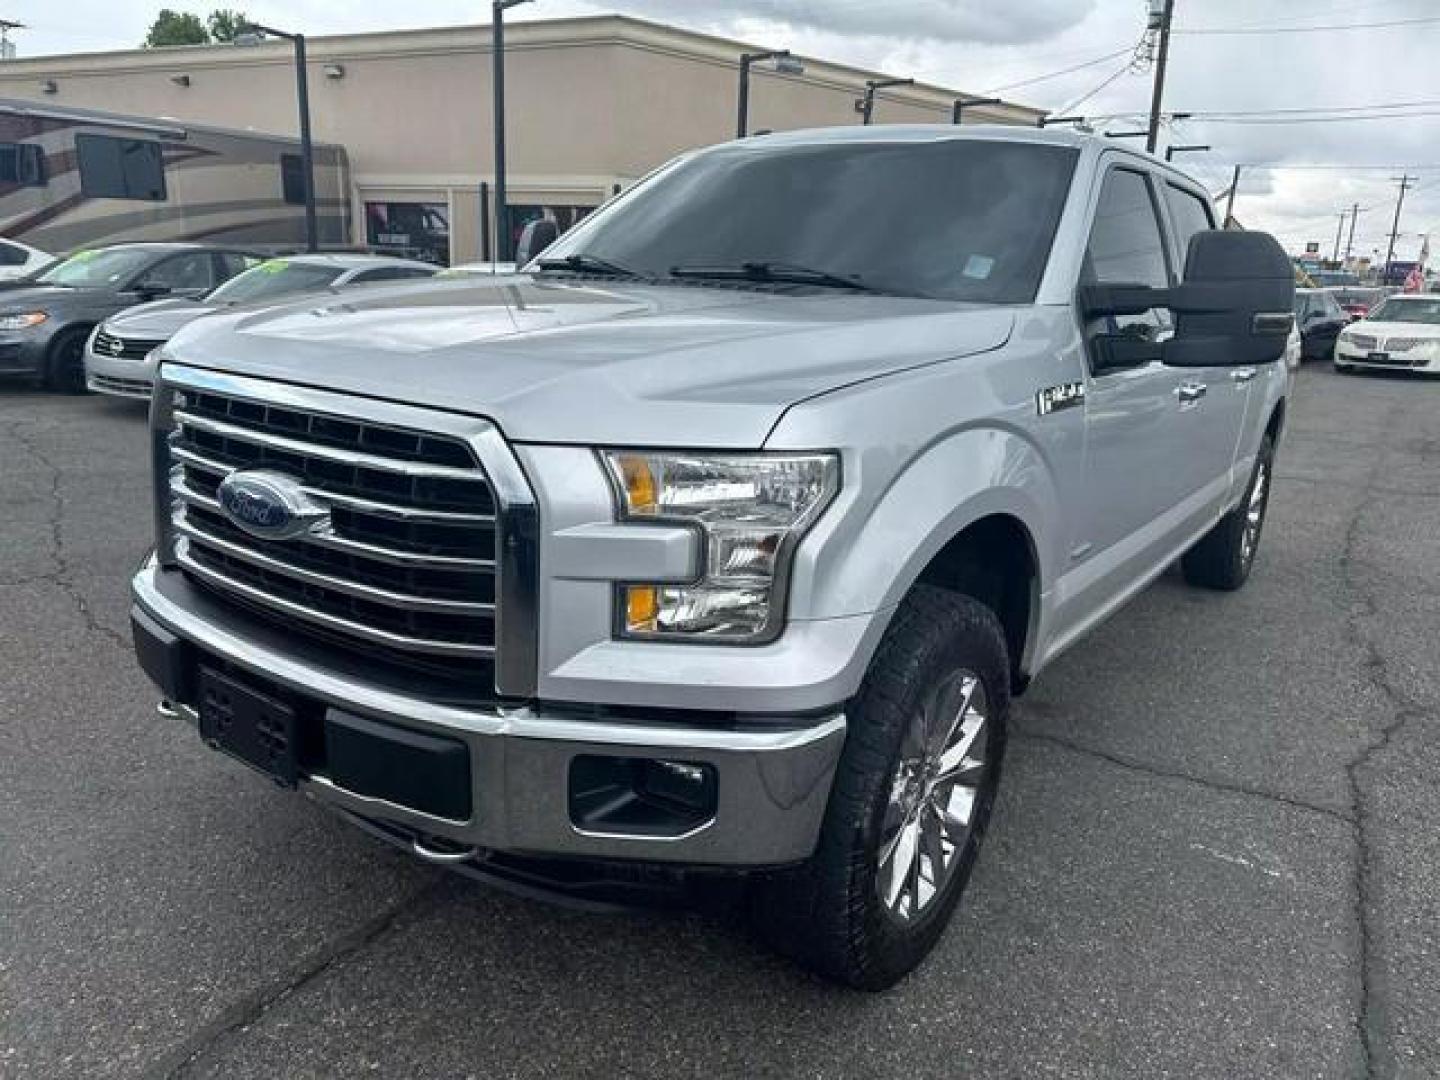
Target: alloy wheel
932,808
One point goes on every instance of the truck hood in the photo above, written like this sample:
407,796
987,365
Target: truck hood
573,362
157,320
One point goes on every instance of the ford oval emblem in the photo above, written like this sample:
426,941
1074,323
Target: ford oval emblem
270,505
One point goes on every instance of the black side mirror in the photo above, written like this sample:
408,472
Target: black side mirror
535,238
1235,307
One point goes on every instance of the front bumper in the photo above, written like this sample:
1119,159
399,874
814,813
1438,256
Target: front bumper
772,780
23,353
1418,359
118,376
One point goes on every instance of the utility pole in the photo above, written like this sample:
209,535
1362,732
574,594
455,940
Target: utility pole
1350,240
1339,228
1404,182
1157,96
1230,200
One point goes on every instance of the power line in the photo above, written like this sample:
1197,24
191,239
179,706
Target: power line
1234,30
1124,68
1063,71
1254,121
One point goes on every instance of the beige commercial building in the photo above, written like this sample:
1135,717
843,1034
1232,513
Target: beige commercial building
592,104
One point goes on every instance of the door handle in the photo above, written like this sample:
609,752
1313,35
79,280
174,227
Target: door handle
1190,392
1243,375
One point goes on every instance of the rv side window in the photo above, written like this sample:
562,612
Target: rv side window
22,164
112,168
292,178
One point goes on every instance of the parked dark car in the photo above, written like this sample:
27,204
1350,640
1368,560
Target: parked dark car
45,319
1320,319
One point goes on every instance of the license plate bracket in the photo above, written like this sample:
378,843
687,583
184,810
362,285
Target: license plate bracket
249,725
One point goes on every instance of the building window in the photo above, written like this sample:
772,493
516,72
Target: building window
413,229
112,168
292,179
22,164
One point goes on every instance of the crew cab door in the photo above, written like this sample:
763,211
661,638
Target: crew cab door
1159,440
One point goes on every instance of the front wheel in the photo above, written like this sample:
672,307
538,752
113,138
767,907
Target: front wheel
910,802
1223,557
65,361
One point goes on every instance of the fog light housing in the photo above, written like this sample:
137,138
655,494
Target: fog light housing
644,797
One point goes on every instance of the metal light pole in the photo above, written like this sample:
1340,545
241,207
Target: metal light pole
497,67
1405,182
1171,151
957,112
1350,240
254,34
785,63
867,105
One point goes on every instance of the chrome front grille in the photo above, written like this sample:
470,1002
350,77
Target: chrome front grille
405,565
107,344
1363,341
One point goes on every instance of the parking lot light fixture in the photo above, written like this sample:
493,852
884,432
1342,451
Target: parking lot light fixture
785,63
497,68
957,111
255,34
866,105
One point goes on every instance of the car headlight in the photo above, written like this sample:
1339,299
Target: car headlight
22,320
750,511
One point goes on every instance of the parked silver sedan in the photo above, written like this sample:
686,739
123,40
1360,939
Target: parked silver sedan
117,355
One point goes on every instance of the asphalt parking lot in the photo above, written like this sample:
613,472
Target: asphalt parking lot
1217,852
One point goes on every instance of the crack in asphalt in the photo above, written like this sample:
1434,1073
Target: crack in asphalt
1212,783
247,1009
62,576
1374,669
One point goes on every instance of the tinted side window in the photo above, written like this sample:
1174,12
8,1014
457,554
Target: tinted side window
1126,246
232,263
22,164
1189,212
292,179
10,255
113,168
183,272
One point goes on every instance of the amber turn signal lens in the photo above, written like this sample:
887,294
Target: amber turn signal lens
642,604
640,488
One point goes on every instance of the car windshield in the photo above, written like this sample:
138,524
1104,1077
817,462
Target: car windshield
97,269
949,219
271,279
1416,311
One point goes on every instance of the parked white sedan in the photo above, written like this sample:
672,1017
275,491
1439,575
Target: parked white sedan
1403,332
19,260
117,356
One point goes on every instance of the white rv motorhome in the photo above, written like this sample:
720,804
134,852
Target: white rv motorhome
73,178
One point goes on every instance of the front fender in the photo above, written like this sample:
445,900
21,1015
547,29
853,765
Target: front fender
873,547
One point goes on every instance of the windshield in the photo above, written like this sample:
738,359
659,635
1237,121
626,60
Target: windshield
952,219
97,269
1416,311
273,278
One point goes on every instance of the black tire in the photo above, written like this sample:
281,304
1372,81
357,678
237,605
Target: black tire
828,913
1223,557
65,361
1345,369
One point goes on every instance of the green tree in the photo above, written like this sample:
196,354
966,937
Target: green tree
225,23
176,28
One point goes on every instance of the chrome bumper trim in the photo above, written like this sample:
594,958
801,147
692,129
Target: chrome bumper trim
774,783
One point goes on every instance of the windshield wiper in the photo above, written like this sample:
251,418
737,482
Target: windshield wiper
580,263
775,272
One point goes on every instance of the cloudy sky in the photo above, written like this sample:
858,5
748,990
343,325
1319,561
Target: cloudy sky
1323,59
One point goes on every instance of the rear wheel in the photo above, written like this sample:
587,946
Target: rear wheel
912,796
1223,557
65,362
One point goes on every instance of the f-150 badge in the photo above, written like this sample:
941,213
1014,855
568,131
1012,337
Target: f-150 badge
1054,398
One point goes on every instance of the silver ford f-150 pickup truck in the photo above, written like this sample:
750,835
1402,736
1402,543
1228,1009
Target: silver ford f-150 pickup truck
720,540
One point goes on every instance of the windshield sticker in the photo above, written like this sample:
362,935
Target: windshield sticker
83,256
978,267
272,266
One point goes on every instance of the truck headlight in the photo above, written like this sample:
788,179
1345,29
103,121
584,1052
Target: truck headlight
750,511
23,320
